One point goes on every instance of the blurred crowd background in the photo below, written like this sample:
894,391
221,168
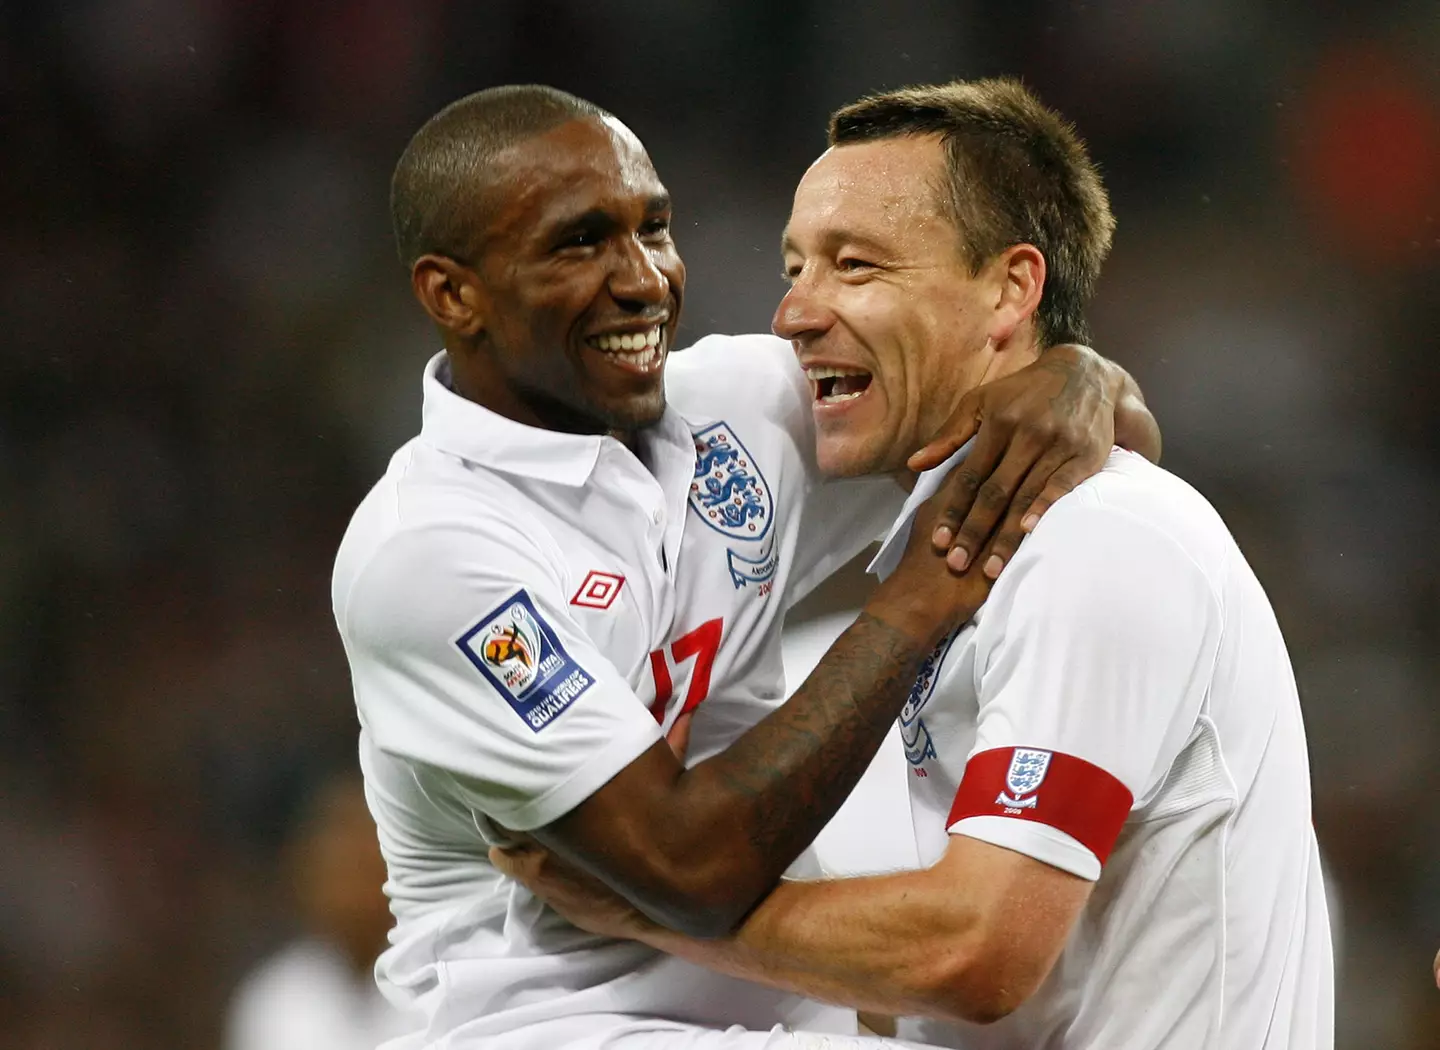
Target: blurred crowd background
209,350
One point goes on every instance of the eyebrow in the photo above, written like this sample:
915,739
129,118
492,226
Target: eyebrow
833,238
600,219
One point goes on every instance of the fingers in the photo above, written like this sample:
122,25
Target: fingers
521,863
1024,511
959,429
962,487
989,502
1074,471
1053,475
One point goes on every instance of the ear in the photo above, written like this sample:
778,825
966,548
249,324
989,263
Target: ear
1018,275
451,294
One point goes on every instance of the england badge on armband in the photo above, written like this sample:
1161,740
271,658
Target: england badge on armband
1025,775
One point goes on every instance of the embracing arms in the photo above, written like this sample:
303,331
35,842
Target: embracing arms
968,939
696,849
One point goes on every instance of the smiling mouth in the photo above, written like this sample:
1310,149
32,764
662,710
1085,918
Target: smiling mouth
637,350
834,386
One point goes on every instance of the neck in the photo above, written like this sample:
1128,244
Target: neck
1009,357
1020,351
475,379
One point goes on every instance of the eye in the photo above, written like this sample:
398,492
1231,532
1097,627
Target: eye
851,264
655,229
578,239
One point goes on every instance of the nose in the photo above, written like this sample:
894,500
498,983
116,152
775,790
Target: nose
801,314
637,278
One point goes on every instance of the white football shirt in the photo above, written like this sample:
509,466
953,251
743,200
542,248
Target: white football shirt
1123,708
524,612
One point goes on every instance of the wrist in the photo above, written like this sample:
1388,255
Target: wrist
661,938
906,611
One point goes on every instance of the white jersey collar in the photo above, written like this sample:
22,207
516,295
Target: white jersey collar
884,562
459,426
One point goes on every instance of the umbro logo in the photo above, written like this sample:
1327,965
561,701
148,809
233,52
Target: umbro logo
598,590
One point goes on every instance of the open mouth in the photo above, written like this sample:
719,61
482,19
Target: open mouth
834,386
640,351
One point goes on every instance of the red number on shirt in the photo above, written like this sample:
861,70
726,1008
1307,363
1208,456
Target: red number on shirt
702,643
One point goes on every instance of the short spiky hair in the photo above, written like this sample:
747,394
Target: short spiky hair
1016,173
434,190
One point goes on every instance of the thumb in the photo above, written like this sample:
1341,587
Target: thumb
514,860
679,736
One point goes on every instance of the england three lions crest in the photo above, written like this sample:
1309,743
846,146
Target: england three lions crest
913,734
731,496
1025,775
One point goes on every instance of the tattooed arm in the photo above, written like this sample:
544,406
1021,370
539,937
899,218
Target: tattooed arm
696,849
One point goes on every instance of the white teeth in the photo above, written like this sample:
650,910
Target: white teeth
818,372
835,399
628,342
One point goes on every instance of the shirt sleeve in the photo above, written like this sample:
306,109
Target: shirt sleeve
1092,660
465,658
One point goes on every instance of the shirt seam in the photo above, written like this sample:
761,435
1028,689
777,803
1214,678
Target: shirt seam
404,530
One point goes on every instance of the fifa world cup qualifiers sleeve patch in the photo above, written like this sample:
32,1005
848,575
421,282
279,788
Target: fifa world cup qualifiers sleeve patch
1048,787
521,656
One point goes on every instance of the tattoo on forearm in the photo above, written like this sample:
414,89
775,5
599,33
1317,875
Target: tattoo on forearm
801,762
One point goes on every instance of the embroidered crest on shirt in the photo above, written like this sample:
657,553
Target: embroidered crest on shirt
1025,775
731,496
519,654
913,734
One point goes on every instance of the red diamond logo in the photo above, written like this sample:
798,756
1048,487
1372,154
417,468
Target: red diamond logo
598,590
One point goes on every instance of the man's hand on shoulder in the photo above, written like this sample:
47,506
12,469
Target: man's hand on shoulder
1038,433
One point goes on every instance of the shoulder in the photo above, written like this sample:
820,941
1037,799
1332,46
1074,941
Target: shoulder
409,549
1135,516
721,374
1131,552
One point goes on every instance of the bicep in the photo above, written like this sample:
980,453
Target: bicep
1021,913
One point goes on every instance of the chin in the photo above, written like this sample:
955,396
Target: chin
635,413
838,461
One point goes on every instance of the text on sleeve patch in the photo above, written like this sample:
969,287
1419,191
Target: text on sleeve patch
519,654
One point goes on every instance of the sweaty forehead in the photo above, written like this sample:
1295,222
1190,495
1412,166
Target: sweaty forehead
889,187
577,166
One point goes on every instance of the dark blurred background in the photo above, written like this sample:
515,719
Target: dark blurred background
209,350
